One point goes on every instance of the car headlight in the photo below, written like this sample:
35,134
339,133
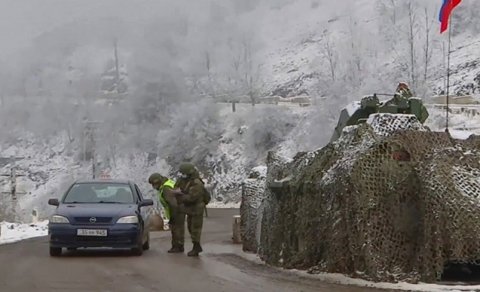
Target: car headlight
58,219
128,220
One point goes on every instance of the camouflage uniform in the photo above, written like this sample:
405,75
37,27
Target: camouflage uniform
175,211
193,188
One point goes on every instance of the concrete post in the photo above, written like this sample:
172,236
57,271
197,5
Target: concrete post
237,238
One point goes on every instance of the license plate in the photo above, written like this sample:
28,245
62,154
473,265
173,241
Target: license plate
91,232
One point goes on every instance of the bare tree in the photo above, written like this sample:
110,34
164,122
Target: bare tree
245,77
249,70
331,56
387,11
208,65
411,42
394,12
427,48
236,58
356,59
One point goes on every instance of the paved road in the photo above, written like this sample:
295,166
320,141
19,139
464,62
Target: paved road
26,266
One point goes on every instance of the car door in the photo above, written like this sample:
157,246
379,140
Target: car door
144,211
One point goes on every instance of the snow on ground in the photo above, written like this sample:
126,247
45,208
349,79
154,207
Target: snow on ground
461,125
462,135
13,232
344,280
221,205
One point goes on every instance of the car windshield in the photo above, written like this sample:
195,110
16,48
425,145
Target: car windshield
99,193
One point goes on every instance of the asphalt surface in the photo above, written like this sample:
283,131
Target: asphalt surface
27,266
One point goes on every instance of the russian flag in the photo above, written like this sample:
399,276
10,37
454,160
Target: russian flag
445,11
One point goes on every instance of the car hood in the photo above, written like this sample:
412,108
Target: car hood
96,210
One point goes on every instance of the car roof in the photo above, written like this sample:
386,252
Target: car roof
99,181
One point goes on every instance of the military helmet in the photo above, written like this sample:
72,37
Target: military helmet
156,178
187,168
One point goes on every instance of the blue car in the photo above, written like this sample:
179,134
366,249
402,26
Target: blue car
98,213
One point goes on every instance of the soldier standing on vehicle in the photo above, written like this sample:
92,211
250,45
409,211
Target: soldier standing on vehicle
403,90
174,210
194,197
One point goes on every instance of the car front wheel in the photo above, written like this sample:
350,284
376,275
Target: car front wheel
55,251
138,251
146,245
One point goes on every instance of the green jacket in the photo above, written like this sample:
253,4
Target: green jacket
169,184
193,189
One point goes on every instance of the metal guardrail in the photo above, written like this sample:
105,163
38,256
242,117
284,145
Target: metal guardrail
470,109
452,105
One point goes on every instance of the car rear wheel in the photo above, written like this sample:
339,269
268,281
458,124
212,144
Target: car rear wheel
55,251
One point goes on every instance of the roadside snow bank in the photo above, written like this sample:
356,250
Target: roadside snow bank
344,280
220,205
13,232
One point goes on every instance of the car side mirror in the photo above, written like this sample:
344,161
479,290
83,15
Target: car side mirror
146,202
53,202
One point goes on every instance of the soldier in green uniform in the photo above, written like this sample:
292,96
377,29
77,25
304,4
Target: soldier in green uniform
400,101
174,210
193,198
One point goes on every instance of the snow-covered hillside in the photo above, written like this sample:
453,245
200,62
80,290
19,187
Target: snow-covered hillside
50,165
365,46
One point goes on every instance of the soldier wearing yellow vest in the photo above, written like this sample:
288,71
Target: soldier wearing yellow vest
174,210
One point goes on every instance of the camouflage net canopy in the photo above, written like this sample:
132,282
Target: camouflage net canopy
389,200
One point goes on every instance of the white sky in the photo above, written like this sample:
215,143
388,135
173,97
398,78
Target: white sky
21,20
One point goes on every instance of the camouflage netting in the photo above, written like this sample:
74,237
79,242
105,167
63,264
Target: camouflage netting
388,201
253,189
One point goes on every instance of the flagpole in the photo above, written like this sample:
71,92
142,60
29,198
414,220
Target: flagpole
448,68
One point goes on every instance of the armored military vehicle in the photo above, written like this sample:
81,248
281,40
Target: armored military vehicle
359,111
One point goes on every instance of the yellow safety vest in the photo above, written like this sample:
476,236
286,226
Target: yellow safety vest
171,184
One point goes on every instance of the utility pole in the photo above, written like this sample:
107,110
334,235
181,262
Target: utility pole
446,22
13,189
117,70
93,163
90,135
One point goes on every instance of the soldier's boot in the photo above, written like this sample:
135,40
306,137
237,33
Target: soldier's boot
176,249
197,248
